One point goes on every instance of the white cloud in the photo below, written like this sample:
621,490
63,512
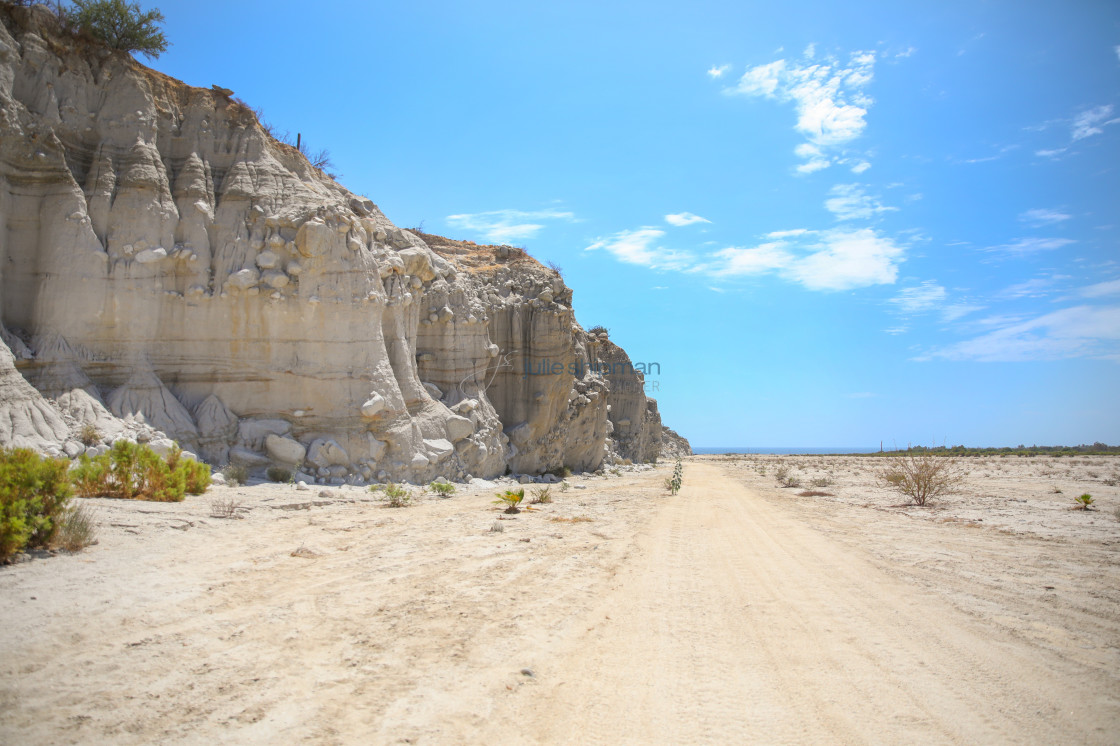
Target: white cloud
860,167
1042,216
789,234
502,226
828,96
844,260
850,202
761,259
1050,153
1101,289
1080,331
905,52
920,298
717,72
814,165
1092,122
684,218
1032,245
639,247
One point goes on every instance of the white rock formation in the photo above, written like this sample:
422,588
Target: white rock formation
166,265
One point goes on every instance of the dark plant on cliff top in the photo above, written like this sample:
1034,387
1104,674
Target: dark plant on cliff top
120,25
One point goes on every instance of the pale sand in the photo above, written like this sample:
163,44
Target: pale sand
733,612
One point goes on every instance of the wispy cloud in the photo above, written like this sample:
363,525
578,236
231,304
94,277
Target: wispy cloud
506,225
1021,246
920,298
641,247
1102,289
1079,331
860,167
1038,287
828,95
1092,122
789,234
718,71
1042,216
850,202
684,218
845,260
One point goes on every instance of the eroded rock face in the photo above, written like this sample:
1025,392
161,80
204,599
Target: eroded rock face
168,265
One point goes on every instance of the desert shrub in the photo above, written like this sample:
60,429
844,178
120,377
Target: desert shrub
598,330
33,492
511,498
132,471
821,482
235,474
396,496
120,25
561,472
224,508
77,528
278,474
785,477
443,489
542,495
921,476
89,435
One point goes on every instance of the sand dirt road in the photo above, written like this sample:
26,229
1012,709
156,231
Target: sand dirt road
739,624
731,613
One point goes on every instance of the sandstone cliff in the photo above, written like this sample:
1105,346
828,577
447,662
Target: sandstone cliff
166,264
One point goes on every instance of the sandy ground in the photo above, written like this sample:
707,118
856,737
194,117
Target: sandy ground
733,612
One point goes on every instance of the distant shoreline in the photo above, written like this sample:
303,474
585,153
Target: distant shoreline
799,451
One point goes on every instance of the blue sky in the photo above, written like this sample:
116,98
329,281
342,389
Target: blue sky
830,224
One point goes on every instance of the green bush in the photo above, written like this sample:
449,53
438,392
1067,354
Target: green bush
120,25
235,475
131,471
33,494
443,489
278,474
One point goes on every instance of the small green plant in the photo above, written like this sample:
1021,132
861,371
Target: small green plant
1084,502
278,474
785,477
443,489
819,482
397,496
564,486
512,498
33,493
542,495
235,474
673,484
89,435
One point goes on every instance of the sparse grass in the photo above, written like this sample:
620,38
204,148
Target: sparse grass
821,482
542,495
224,507
89,435
77,528
564,486
396,496
785,477
443,489
921,476
235,475
278,474
573,519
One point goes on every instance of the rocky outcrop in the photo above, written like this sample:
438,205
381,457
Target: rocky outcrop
167,265
673,445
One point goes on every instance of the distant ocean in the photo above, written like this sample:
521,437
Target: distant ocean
781,451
